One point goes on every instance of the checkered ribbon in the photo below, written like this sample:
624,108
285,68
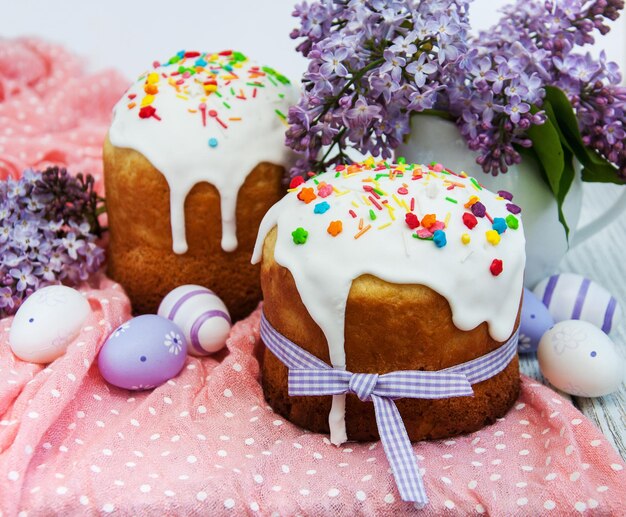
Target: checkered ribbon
309,375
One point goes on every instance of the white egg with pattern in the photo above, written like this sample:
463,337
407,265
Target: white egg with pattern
47,322
201,315
579,359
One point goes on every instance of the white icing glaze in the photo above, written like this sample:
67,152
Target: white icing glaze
178,144
324,267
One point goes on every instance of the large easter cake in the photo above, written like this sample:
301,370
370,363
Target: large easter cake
194,158
377,268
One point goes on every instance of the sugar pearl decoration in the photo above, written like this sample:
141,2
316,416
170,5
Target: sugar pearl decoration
47,322
202,316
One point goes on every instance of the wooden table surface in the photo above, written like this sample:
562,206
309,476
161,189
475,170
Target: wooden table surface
601,258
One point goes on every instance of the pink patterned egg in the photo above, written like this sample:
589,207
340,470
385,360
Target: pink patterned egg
201,315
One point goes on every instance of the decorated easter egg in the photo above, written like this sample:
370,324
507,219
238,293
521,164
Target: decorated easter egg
573,297
535,319
47,322
201,315
580,359
143,353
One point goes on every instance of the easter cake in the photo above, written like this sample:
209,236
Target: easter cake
194,158
377,268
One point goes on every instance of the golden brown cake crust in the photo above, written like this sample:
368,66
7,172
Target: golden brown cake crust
388,327
140,255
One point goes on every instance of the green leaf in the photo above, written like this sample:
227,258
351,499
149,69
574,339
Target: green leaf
596,167
567,178
602,174
547,145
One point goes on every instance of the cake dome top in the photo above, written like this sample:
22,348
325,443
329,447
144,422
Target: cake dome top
405,224
202,116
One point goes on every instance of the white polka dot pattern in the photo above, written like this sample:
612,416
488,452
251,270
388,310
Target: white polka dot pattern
207,443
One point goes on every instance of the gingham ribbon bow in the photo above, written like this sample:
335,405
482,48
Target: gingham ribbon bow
309,375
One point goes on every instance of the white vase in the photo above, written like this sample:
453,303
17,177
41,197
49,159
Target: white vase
435,139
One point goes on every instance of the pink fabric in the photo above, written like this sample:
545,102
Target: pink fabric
51,111
206,443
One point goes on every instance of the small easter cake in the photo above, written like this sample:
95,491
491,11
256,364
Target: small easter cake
375,268
194,158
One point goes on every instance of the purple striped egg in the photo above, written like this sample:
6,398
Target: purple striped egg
573,297
202,316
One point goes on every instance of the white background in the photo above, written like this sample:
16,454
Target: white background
130,34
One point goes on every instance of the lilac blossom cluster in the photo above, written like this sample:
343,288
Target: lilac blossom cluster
533,46
48,232
372,63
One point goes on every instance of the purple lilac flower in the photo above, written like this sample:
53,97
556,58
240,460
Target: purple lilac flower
48,231
516,108
371,65
420,70
534,45
333,63
23,276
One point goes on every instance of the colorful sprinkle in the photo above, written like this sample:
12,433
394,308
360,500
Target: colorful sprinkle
424,233
512,222
439,238
335,228
475,184
212,142
213,73
496,267
505,194
299,235
499,224
324,190
428,220
147,112
296,182
362,231
478,209
307,194
411,220
471,201
469,220
465,239
493,237
321,208
513,208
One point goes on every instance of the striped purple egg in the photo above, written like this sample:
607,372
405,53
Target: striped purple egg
574,297
201,315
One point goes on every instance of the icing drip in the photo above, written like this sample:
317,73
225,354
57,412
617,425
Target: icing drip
206,117
405,224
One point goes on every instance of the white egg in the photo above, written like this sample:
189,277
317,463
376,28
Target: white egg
579,359
574,297
201,315
47,322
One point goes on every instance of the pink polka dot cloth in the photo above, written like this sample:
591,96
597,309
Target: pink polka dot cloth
51,111
206,443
